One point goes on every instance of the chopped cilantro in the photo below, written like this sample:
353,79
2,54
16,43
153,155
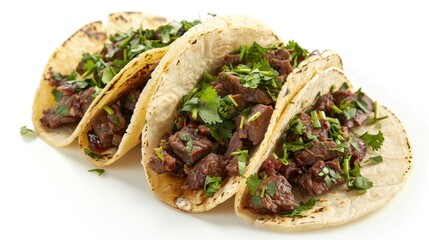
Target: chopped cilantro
300,210
298,52
159,153
353,177
97,170
57,94
373,140
24,131
188,140
242,156
375,159
211,185
61,110
92,155
271,189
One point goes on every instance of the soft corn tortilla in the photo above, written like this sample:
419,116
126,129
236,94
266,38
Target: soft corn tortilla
202,49
340,205
88,39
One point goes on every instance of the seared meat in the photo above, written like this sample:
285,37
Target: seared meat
234,144
280,60
312,183
211,166
250,95
190,153
320,150
282,200
254,130
232,167
270,166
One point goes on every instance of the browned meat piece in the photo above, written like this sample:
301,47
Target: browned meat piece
282,200
270,166
320,150
250,95
234,144
211,166
313,183
169,165
130,100
233,59
291,171
190,153
254,129
232,167
325,103
279,60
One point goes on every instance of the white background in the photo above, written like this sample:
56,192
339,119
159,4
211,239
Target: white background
47,193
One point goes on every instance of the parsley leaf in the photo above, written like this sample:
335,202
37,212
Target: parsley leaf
271,189
300,210
375,159
242,156
253,183
97,170
298,52
211,185
24,131
188,140
92,155
373,140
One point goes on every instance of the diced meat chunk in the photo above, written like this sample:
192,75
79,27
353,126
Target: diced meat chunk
211,166
320,150
254,129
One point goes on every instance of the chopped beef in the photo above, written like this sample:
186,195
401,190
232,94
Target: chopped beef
232,167
291,171
130,100
270,166
325,103
357,148
220,88
254,130
203,129
180,122
283,199
201,144
241,104
320,150
321,133
250,95
342,97
280,60
211,166
70,109
232,60
311,183
234,144
170,164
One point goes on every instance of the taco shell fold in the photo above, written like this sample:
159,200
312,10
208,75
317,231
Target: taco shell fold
202,49
340,205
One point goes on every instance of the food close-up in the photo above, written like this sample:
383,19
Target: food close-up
217,122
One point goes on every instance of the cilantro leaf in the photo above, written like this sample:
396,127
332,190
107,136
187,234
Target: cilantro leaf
57,94
253,183
242,156
271,189
92,155
298,52
211,185
300,210
373,140
61,110
97,170
24,131
375,159
209,113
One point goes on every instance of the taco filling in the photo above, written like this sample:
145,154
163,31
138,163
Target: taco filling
224,118
75,92
321,149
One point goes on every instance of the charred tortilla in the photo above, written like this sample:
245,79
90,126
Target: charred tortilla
202,50
340,204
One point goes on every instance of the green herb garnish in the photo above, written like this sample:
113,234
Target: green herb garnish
300,210
373,140
375,159
97,170
92,155
242,156
211,185
24,131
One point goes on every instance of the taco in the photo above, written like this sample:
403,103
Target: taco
97,61
334,156
222,87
